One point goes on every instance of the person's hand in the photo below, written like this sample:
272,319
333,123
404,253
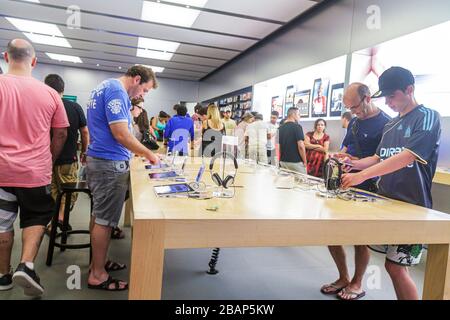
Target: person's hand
153,158
340,155
347,164
83,158
351,179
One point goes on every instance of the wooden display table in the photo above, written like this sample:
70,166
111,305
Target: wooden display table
260,215
442,176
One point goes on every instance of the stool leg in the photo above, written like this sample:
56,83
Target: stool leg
54,226
212,263
66,219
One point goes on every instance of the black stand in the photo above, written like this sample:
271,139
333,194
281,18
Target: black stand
212,263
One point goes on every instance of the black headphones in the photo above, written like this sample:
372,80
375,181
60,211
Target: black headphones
229,179
332,182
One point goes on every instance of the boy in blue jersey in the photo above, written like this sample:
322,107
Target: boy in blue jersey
362,139
109,122
405,161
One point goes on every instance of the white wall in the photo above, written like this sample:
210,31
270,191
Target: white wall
338,30
79,82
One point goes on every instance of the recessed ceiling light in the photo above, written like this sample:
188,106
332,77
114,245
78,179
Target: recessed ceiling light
40,32
63,57
120,68
156,49
154,68
48,40
98,65
167,14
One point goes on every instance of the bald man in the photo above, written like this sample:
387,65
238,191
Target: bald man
362,139
29,112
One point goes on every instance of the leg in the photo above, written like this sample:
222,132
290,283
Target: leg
362,257
8,214
338,254
437,273
108,182
31,241
6,244
147,258
404,286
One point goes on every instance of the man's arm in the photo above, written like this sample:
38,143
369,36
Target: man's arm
59,136
84,132
302,151
124,137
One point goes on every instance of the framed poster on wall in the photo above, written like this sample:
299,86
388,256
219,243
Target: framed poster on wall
289,99
301,101
336,103
277,105
320,97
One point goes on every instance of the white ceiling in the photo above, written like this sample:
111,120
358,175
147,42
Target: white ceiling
110,29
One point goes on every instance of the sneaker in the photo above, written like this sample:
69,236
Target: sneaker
6,282
28,280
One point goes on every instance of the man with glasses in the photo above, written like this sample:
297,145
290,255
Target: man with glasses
362,139
405,161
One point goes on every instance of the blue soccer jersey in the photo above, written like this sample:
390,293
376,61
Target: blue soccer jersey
418,132
368,132
109,103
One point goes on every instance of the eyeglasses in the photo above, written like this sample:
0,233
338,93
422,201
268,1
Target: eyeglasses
358,105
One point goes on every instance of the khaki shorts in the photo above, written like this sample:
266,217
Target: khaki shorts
64,173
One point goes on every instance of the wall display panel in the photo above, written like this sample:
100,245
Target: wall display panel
238,102
289,99
328,73
277,105
336,103
301,101
425,53
320,97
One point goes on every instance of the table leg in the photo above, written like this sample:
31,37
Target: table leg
127,218
437,273
147,259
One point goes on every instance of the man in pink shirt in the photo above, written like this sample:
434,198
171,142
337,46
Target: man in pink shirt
29,110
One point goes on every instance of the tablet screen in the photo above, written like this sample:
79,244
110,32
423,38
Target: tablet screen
173,188
162,175
156,166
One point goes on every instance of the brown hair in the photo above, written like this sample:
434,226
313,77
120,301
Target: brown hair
136,101
317,122
145,73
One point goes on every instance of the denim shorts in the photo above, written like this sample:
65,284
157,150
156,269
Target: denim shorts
108,181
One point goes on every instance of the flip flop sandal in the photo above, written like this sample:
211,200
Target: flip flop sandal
355,295
331,285
114,266
105,285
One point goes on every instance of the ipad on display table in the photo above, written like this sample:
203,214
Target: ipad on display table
156,166
163,175
172,189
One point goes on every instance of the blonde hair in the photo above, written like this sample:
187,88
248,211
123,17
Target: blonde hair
214,115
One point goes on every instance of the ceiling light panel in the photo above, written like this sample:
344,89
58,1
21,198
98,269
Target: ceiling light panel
48,40
155,69
173,15
156,49
40,32
63,57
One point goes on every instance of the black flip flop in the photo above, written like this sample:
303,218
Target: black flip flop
356,294
114,266
105,285
333,285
